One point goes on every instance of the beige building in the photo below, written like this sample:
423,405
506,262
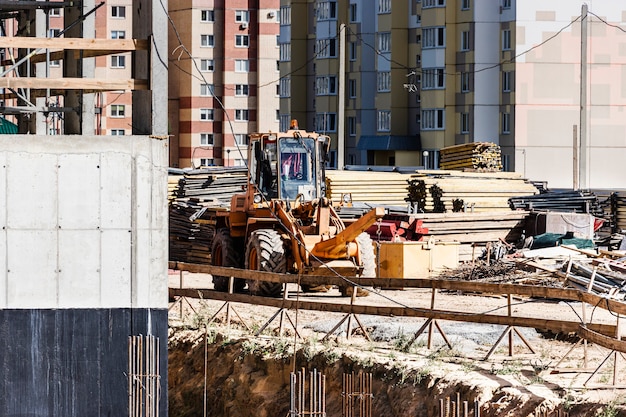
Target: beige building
224,79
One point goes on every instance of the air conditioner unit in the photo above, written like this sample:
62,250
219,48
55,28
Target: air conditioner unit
244,25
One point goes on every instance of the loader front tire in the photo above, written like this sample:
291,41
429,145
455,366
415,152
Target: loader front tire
265,252
225,252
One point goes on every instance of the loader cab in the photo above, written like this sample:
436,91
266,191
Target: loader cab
289,165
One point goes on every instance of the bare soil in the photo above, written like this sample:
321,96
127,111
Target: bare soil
221,369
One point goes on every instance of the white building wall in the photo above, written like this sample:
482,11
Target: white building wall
487,56
548,80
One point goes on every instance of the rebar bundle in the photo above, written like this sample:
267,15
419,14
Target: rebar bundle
144,377
307,399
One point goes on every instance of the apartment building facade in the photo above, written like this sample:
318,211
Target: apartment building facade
224,79
421,75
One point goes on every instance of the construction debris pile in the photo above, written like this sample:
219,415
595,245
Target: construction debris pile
189,192
576,201
479,156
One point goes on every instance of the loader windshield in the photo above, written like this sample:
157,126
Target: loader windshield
297,168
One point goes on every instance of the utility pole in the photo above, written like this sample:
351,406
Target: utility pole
341,105
584,151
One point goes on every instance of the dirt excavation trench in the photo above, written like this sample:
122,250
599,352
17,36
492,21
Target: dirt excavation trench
221,370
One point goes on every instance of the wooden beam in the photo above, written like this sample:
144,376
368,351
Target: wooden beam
73,83
546,324
30,42
534,291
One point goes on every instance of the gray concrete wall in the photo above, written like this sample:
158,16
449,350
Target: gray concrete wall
83,267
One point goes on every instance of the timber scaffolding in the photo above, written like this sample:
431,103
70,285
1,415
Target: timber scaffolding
609,336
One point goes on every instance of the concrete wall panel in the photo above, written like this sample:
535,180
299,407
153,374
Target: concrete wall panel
79,191
31,180
79,268
116,266
115,183
32,268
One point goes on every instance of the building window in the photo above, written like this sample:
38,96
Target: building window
242,65
383,81
285,15
207,15
207,162
433,37
418,60
206,139
352,51
384,6
465,4
55,63
464,122
241,115
384,121
242,16
285,87
433,78
326,48
506,81
506,4
277,90
465,82
207,114
207,65
118,61
208,41
325,122
433,119
418,38
285,52
242,90
206,90
326,10
54,33
352,126
353,13
118,132
465,41
506,123
242,41
352,88
118,12
118,34
283,124
118,110
433,3
430,158
56,12
384,42
506,40
241,139
326,85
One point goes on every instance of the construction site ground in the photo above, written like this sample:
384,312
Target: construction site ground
523,384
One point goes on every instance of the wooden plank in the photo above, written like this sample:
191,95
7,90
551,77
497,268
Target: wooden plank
442,284
29,42
546,324
95,84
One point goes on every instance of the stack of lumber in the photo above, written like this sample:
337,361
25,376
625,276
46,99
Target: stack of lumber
439,191
382,188
191,191
481,156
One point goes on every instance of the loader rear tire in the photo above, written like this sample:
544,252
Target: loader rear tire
266,252
368,262
225,252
